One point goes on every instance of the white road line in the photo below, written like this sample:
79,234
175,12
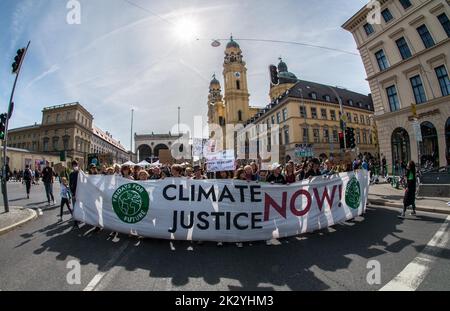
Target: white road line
99,276
415,272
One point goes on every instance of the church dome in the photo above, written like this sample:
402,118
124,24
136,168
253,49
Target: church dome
214,81
233,44
282,66
284,75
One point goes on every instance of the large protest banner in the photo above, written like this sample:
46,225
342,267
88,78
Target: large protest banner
219,210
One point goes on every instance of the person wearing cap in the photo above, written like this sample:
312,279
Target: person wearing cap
198,173
93,169
276,177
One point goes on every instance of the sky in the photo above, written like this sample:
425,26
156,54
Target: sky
144,54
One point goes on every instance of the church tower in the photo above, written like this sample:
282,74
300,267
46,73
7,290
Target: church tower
236,87
216,107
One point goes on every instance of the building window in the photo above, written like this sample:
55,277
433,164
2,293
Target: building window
369,29
427,39
324,114
333,115
419,91
364,137
350,102
55,143
403,47
393,98
239,115
314,113
405,4
443,19
285,114
316,134
368,120
273,119
48,119
327,98
362,119
238,84
286,135
387,15
349,117
382,60
444,81
326,135
278,117
314,95
358,136
45,145
335,136
355,118
303,112
305,135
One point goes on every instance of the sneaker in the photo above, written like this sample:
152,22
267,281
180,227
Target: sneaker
401,216
219,244
240,245
269,242
413,213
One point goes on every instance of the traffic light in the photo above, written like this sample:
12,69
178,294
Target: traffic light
18,60
350,138
3,117
274,75
341,140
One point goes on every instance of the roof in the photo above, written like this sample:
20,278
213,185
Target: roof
306,89
157,136
63,106
25,128
98,132
233,44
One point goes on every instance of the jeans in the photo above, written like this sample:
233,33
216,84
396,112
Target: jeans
65,201
49,191
28,186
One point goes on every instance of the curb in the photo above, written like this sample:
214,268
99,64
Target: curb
20,223
400,206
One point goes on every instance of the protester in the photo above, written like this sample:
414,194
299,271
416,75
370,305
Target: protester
65,199
126,172
176,171
410,193
136,171
189,172
313,169
143,175
290,176
27,177
156,173
249,173
198,173
109,171
276,177
93,170
48,178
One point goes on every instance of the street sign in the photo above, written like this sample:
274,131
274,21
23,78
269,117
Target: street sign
417,131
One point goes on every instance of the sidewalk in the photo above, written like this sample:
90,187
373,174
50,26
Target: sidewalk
385,195
16,217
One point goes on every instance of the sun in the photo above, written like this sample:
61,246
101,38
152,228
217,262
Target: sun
186,29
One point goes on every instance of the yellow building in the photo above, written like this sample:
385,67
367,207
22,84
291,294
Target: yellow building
307,113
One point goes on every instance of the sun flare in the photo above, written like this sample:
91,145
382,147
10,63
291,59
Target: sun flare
186,29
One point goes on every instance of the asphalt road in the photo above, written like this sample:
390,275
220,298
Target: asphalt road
37,256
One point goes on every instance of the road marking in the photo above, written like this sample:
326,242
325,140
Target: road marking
99,276
415,272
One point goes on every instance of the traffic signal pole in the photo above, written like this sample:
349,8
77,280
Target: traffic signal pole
5,141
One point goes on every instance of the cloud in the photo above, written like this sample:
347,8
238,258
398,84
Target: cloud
43,75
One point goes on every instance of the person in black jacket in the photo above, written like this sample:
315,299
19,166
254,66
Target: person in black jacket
410,194
48,176
27,177
73,180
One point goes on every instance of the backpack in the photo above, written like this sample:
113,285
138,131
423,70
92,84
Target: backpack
27,174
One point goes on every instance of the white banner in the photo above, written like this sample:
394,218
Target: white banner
220,165
219,210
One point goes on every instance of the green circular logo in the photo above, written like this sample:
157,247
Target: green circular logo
131,203
353,193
